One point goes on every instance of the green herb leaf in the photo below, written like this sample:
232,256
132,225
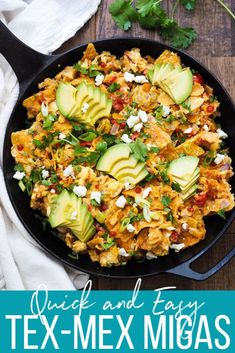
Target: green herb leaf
179,37
48,121
101,147
88,136
113,87
38,143
176,186
139,150
188,4
154,149
18,168
221,213
93,157
93,71
165,200
123,13
83,70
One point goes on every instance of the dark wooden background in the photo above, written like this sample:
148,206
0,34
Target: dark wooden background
215,47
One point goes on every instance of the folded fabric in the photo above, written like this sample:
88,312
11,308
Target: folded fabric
43,25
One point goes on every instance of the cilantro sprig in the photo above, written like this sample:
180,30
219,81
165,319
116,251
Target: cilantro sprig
151,15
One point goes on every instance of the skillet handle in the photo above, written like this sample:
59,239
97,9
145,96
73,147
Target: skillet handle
25,61
185,269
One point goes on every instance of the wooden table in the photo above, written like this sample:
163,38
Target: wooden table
215,47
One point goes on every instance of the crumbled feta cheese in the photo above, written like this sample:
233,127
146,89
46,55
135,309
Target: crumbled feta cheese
122,252
188,131
138,127
219,158
85,107
177,247
52,191
73,215
130,228
143,116
125,138
99,80
128,77
44,109
128,186
140,79
96,195
150,256
80,191
132,120
170,228
45,174
61,136
222,134
121,202
19,175
69,171
146,192
165,110
206,127
185,226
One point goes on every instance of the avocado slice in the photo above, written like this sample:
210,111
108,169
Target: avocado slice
70,101
165,70
180,85
129,172
183,167
135,180
189,193
65,98
113,155
186,184
62,208
131,162
61,215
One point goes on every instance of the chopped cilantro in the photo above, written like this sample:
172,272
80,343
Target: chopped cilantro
139,150
176,186
154,149
123,13
18,168
101,147
221,213
88,136
114,87
165,200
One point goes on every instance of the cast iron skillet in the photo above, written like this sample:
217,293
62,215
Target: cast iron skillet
32,67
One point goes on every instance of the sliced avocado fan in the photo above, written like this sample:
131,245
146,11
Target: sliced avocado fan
177,82
185,172
85,103
68,211
118,162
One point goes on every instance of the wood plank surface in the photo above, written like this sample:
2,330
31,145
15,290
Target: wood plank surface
215,47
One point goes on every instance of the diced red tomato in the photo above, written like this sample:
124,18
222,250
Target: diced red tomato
111,80
102,64
20,147
138,189
174,236
198,78
118,103
112,233
123,124
210,108
200,199
135,135
190,209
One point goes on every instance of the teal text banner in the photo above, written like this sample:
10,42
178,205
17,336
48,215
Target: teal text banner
141,321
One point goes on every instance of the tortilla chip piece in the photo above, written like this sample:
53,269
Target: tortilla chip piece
164,99
168,57
197,90
90,52
195,102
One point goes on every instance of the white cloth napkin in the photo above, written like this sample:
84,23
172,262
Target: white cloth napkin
44,25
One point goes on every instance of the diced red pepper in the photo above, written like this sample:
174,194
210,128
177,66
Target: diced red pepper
20,147
104,207
174,236
85,143
102,64
198,78
123,124
112,233
210,108
200,199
